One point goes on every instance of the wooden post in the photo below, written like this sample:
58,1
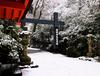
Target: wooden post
56,31
25,60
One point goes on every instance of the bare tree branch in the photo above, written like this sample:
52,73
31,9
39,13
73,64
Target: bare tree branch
39,9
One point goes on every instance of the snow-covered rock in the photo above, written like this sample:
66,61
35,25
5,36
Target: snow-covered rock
87,59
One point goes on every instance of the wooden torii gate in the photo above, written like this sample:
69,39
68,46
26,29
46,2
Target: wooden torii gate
54,22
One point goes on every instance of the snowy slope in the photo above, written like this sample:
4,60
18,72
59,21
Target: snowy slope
59,65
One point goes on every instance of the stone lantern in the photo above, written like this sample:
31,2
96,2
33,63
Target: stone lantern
25,60
90,43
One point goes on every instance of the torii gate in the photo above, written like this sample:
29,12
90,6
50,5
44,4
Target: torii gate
54,22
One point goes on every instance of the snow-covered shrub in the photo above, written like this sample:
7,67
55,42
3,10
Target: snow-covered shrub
9,45
77,46
40,39
8,49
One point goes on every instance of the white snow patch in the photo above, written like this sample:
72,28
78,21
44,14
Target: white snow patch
32,48
25,32
59,65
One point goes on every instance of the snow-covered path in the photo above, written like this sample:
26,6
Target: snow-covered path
59,65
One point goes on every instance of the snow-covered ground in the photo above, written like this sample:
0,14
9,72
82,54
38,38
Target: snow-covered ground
35,49
59,65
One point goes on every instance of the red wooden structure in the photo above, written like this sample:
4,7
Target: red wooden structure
13,9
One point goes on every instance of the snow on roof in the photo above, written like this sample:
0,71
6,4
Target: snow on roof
90,35
25,32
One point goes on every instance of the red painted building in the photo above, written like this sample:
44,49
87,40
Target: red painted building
13,9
